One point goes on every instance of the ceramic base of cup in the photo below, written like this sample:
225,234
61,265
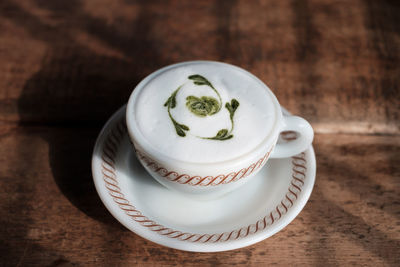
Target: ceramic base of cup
254,212
211,192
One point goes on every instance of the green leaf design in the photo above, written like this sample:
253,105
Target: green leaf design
222,135
232,107
171,101
203,106
166,104
184,127
180,128
234,104
200,80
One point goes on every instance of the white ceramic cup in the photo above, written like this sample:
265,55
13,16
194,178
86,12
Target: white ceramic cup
211,180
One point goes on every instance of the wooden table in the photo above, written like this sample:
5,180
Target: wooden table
66,66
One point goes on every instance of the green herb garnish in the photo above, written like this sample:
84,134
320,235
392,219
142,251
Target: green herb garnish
202,106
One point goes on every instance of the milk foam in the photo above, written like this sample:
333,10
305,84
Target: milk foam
253,119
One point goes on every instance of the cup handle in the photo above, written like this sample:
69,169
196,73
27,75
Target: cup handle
305,135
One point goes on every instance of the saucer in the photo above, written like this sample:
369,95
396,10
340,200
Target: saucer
252,213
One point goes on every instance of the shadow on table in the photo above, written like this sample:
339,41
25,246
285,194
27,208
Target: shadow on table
332,215
87,72
81,82
78,86
81,88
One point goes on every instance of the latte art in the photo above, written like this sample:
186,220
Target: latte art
202,112
202,106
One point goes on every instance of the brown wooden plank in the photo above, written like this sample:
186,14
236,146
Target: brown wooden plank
334,62
50,214
73,63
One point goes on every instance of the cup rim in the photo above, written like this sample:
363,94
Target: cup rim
138,138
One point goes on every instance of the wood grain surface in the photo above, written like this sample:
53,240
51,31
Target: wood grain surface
66,66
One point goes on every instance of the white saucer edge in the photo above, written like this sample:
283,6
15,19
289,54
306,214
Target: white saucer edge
199,247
